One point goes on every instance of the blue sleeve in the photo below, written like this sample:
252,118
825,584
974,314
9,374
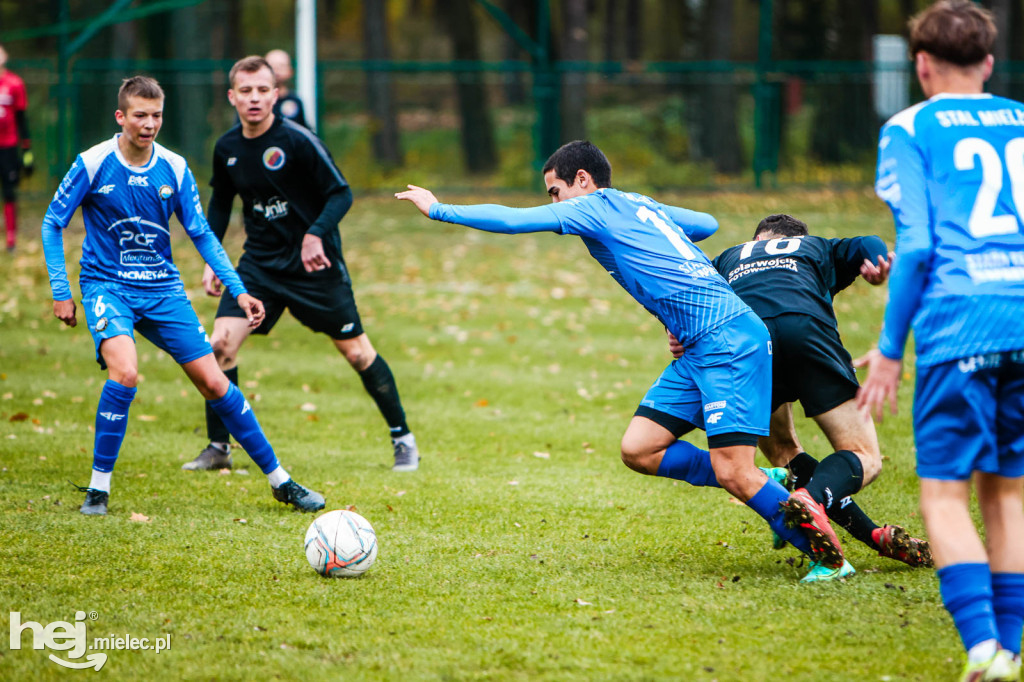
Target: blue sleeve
901,183
495,218
696,225
66,200
190,213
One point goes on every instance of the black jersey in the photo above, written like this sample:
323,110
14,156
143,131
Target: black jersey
289,186
796,274
290,106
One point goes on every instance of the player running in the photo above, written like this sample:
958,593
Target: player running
128,188
810,364
293,197
15,146
952,170
717,385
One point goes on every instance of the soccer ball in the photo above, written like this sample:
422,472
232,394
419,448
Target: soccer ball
341,544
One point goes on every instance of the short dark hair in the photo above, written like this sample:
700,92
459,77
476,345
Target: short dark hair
955,31
250,64
783,225
576,155
138,86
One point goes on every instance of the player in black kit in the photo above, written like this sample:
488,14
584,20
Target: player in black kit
789,278
293,197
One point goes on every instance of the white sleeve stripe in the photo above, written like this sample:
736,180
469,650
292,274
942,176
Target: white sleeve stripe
93,157
177,162
320,149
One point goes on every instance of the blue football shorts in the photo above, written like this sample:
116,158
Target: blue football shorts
969,416
167,321
722,383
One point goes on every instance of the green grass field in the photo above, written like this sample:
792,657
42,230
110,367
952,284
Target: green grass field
521,550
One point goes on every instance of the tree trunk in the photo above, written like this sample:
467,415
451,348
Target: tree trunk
383,119
713,114
845,122
477,131
520,12
574,83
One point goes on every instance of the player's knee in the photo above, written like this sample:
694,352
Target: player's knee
225,352
126,376
636,456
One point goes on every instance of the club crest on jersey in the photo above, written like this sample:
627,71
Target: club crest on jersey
101,324
273,158
165,192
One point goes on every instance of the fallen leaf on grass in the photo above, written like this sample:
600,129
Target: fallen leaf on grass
583,603
18,417
139,518
146,418
307,407
542,455
351,508
483,402
241,521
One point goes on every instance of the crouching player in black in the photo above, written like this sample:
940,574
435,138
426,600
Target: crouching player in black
789,279
293,197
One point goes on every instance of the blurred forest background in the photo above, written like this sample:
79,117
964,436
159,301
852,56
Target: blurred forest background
474,93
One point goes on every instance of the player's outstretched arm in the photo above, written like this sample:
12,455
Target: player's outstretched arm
880,385
422,198
253,307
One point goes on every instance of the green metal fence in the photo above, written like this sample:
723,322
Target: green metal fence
664,125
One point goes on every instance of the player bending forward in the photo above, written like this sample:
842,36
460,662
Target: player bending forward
128,187
718,385
952,171
790,278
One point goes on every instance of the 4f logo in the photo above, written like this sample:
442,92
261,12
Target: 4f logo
105,189
110,416
138,181
714,418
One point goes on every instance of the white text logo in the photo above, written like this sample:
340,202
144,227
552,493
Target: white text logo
138,181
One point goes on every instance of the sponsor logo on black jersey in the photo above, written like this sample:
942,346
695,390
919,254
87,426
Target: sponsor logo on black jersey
165,192
275,208
273,158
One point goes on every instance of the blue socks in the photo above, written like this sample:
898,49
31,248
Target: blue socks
686,462
236,414
111,424
966,591
1008,605
766,503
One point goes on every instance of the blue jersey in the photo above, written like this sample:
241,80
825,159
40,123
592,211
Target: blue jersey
952,171
127,211
647,247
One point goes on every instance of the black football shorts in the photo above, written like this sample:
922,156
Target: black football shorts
809,364
324,304
10,171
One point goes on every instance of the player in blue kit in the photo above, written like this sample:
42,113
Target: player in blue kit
128,188
952,171
718,385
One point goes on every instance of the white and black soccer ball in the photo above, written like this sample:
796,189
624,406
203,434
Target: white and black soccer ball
341,544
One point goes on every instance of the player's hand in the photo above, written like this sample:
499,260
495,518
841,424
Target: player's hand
422,198
65,312
313,256
211,283
28,162
877,273
674,346
880,384
253,309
